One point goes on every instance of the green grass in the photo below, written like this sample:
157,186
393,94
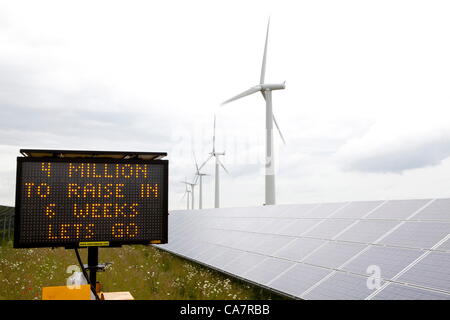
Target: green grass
145,271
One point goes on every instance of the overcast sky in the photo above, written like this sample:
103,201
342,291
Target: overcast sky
365,113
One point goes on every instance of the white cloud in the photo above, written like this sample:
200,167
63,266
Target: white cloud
398,143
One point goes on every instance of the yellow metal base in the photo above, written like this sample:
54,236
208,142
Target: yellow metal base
82,293
64,293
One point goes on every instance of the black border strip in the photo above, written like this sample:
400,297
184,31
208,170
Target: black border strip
96,154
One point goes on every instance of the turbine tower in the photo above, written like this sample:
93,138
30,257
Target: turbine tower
216,155
266,91
199,176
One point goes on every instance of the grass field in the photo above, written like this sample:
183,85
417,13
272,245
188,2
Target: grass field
145,271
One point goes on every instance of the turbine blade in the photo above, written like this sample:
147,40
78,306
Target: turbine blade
275,121
205,162
214,134
244,94
195,160
221,164
279,131
263,68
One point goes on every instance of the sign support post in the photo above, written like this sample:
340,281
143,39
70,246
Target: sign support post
93,265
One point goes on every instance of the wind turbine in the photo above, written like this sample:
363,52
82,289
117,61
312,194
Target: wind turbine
186,192
216,155
199,176
266,91
192,185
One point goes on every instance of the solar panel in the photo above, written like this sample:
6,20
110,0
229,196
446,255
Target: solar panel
273,225
233,239
207,254
341,286
333,254
397,209
297,210
224,257
398,292
189,249
240,224
367,231
357,210
445,245
247,224
298,279
433,271
242,263
417,234
437,210
272,243
267,270
297,249
299,226
323,251
390,260
326,209
251,242
198,250
328,229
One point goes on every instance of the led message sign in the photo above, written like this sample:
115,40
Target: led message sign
82,202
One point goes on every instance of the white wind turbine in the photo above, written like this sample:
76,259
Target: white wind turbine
216,155
266,90
192,185
186,192
199,176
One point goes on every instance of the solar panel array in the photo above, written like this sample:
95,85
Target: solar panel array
398,249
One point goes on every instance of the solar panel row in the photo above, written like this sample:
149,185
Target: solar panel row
325,251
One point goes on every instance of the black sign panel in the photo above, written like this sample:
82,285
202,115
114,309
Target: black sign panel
83,202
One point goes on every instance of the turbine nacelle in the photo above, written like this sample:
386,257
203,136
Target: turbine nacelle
258,88
273,86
